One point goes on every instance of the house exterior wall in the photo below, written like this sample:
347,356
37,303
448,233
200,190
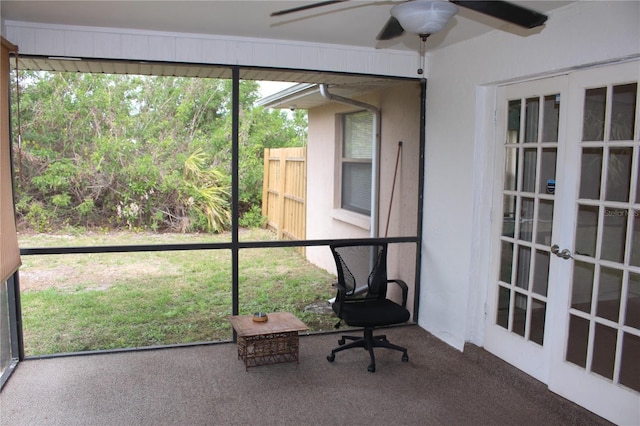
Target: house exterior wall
118,43
460,147
400,121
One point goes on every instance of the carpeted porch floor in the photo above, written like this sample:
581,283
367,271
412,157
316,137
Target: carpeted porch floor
208,385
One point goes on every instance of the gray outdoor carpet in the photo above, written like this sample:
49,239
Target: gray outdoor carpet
208,385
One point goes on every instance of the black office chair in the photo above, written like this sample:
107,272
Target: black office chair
367,306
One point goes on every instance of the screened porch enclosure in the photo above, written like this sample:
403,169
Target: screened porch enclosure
142,290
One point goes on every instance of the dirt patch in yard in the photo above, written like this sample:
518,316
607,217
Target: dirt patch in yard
101,277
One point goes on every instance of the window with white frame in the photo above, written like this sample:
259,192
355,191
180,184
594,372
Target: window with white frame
357,150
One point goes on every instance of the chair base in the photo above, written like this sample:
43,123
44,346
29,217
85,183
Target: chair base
368,342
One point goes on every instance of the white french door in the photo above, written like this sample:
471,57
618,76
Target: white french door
565,306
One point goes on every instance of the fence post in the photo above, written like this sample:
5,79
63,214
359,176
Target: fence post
265,182
281,191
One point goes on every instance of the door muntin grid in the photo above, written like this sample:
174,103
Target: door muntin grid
531,151
604,313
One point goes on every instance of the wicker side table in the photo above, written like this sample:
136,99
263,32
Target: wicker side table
269,342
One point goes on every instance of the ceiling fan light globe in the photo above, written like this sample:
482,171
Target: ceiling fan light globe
423,16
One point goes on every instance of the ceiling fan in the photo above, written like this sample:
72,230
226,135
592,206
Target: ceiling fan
424,17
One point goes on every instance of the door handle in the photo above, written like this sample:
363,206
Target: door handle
564,253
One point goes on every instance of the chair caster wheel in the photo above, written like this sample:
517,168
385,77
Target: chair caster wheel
405,358
341,342
371,368
331,357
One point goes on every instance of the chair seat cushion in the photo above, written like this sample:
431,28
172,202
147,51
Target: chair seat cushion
372,312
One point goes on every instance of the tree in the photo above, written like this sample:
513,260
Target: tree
140,152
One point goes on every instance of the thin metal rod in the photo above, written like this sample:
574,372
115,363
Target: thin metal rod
393,188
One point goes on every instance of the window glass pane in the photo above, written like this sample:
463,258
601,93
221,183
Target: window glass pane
538,313
609,289
524,266
519,314
632,317
619,174
582,288
623,112
532,116
577,341
509,221
548,171
529,170
356,187
594,109
511,169
502,318
513,134
506,263
5,334
635,239
629,366
614,233
358,135
541,273
545,222
551,118
590,173
526,218
604,351
587,228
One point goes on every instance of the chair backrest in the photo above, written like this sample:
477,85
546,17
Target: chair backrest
361,267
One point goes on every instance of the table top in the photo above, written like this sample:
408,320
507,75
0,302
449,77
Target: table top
278,322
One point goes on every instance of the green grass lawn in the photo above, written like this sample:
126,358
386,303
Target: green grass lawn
82,302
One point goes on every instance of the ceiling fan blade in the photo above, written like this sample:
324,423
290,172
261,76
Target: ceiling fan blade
306,7
506,11
391,29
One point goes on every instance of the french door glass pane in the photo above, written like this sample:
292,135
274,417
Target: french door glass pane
526,218
524,265
513,125
532,116
619,174
502,318
609,291
529,170
519,314
629,365
509,215
510,169
590,173
587,229
577,341
548,171
551,118
594,112
506,263
604,351
632,317
541,273
545,222
614,234
538,315
582,289
635,239
623,112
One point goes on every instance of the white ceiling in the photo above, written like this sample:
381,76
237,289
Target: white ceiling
354,23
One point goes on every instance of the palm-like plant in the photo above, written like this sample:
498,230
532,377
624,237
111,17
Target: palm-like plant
209,191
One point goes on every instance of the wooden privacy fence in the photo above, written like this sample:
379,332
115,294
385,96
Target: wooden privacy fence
284,194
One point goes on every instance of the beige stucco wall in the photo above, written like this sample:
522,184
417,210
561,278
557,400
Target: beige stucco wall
400,121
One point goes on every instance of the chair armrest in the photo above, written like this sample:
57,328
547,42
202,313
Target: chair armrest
405,290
